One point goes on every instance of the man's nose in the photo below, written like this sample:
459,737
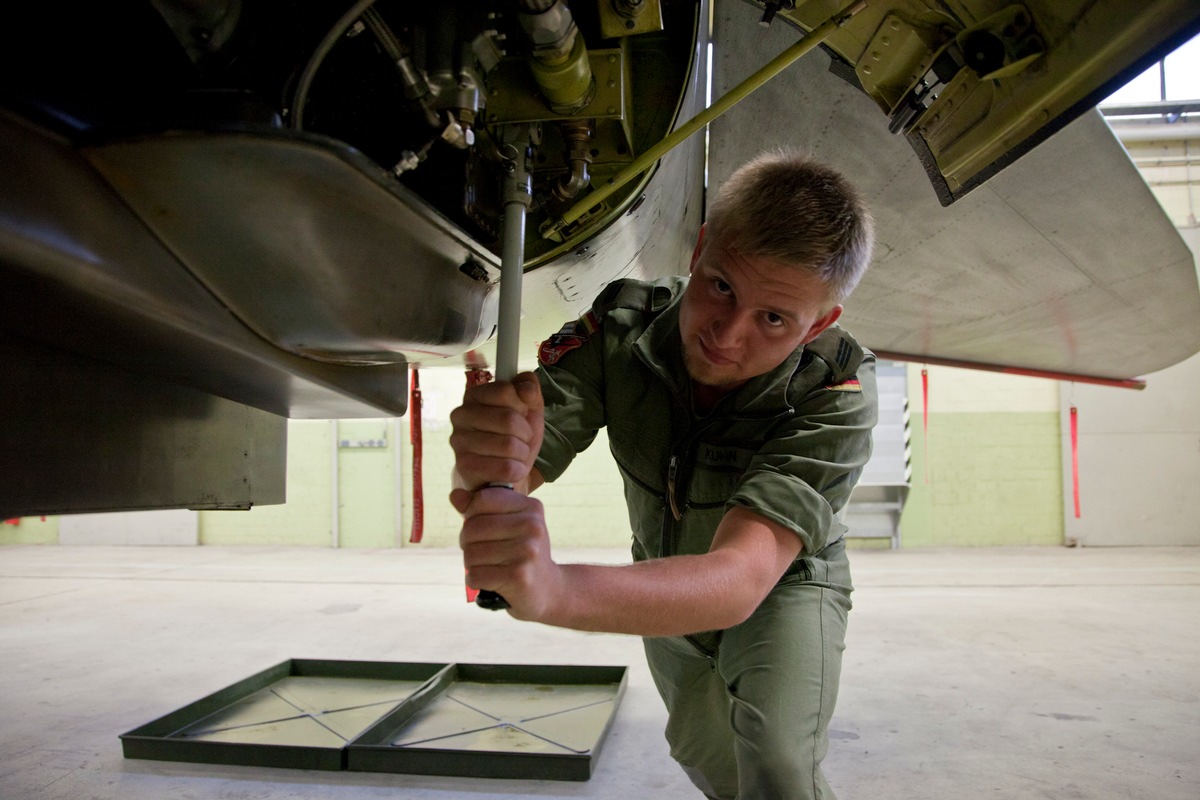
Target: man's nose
730,329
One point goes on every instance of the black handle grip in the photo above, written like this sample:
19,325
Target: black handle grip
490,600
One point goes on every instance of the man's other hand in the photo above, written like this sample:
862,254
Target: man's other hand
497,432
506,549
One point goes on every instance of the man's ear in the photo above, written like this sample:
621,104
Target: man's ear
699,247
818,327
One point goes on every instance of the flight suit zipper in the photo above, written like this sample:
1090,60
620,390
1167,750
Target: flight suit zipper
670,529
679,471
672,473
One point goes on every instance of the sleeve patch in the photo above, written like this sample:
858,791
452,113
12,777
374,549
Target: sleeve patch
848,385
569,337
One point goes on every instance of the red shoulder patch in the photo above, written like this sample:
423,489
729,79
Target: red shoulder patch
569,336
557,346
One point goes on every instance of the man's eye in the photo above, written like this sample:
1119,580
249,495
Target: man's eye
721,286
773,319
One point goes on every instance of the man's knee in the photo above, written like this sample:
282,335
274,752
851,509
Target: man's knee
706,755
701,781
780,741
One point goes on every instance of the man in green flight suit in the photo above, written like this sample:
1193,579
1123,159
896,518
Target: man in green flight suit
740,418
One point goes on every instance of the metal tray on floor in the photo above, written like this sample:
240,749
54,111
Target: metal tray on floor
498,721
484,720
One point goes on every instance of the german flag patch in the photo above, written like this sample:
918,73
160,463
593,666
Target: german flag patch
848,385
569,337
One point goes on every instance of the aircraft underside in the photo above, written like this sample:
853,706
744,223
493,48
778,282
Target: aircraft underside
219,215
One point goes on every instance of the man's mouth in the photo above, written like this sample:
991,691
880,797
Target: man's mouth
713,356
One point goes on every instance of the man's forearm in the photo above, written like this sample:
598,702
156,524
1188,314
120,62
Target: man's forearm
506,549
661,597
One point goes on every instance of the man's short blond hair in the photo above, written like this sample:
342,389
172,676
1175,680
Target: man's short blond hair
785,206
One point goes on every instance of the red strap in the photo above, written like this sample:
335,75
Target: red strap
925,399
414,436
1075,457
925,417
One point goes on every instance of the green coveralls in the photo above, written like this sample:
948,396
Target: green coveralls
749,707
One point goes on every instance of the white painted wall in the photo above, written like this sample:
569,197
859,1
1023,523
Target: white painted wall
174,527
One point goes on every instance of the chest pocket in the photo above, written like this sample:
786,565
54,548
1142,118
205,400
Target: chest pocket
716,470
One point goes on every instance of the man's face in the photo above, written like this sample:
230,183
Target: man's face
741,316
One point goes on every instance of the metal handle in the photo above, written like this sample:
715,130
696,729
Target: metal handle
517,195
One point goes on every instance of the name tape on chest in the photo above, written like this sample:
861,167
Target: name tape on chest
719,457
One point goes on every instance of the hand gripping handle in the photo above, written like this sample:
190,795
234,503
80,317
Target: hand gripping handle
517,195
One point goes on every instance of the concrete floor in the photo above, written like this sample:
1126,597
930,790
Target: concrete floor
988,673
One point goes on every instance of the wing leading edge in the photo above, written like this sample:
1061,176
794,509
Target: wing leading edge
1063,263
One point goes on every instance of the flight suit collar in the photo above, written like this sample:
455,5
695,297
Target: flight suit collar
660,348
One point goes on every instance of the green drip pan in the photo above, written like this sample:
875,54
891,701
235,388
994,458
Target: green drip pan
543,722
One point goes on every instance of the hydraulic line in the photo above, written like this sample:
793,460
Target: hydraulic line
318,57
578,136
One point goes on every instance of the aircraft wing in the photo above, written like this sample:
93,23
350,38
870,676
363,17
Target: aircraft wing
1061,263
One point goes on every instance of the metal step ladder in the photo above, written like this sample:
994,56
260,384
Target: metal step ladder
878,500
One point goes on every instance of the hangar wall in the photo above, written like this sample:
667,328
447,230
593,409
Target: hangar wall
585,509
987,470
993,477
992,451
